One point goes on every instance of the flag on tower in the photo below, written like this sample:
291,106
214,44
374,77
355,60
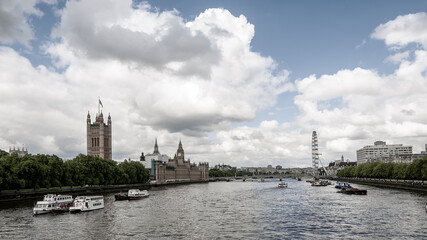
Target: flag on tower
100,103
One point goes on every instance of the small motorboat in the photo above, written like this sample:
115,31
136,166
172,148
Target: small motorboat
352,190
342,185
121,196
320,183
283,185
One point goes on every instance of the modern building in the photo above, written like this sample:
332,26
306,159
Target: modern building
380,149
99,137
403,158
178,169
21,152
155,156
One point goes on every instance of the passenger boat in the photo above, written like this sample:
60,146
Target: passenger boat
87,203
352,190
342,185
134,194
51,202
283,185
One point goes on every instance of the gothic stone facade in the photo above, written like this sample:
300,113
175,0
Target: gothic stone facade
178,169
99,138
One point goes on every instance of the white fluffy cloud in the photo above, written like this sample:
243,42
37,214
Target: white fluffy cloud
403,30
158,76
162,76
353,108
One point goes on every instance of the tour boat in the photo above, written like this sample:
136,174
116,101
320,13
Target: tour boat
134,194
52,202
87,203
283,185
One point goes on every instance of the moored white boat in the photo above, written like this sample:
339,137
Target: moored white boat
51,202
87,203
134,194
319,183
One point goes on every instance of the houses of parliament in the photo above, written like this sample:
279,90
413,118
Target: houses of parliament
99,137
162,168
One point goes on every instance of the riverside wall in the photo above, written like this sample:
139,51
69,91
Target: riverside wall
413,185
29,194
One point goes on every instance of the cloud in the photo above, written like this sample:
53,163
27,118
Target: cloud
35,102
158,76
129,34
174,75
403,30
353,108
196,87
14,24
398,57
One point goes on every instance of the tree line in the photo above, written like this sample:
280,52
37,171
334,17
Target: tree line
46,171
225,173
417,170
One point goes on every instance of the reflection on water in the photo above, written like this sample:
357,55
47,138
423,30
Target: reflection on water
232,210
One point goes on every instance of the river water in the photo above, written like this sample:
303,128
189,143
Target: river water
232,210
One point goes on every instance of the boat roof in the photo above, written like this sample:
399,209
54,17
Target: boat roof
45,202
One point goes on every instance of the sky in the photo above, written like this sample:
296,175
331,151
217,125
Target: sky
242,83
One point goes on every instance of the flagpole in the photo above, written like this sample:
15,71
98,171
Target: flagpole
98,107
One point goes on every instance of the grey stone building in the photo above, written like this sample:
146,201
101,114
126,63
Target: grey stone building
99,137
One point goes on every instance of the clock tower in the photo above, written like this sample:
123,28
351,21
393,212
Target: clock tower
180,153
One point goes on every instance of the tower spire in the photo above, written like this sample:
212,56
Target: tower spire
180,145
156,148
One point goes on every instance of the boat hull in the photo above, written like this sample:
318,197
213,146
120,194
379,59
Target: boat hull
121,197
39,212
137,197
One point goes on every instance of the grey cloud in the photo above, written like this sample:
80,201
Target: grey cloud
408,112
192,125
13,24
178,44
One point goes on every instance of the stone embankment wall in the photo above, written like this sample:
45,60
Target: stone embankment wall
89,190
415,185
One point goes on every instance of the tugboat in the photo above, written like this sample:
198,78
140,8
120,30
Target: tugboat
121,196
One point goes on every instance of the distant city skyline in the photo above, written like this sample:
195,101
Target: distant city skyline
243,83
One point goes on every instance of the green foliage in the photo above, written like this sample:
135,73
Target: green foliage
416,170
45,171
225,173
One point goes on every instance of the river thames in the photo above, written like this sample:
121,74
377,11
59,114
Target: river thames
232,210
